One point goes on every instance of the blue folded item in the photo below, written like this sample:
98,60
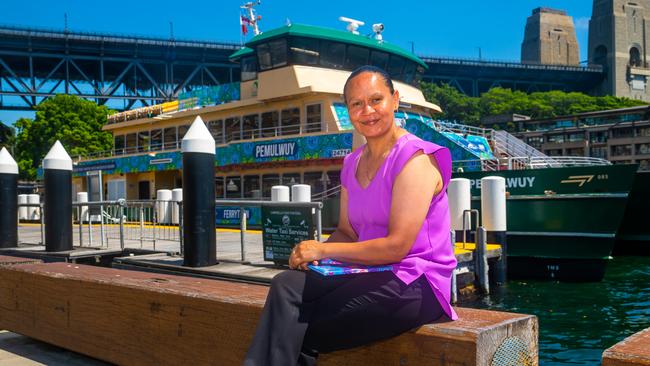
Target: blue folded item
329,267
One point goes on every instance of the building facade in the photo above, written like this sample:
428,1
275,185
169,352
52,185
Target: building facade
550,38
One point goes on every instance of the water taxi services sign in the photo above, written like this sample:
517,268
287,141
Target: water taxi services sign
283,228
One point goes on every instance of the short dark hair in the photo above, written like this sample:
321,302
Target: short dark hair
372,69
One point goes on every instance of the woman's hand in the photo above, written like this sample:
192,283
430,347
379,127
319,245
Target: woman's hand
305,252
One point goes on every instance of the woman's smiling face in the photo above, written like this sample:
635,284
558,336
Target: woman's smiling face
371,105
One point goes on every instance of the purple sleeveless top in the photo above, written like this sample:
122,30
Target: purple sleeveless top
369,215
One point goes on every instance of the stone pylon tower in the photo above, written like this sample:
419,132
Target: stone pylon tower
619,32
550,38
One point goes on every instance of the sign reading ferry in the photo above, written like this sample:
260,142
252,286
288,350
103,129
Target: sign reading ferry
276,150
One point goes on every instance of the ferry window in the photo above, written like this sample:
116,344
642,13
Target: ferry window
216,130
268,181
355,57
131,144
156,140
264,57
270,121
304,51
118,144
170,137
143,141
418,74
252,186
278,50
644,164
289,179
409,72
182,130
315,180
233,128
251,126
333,179
290,121
314,118
219,187
248,69
233,187
395,66
332,54
379,59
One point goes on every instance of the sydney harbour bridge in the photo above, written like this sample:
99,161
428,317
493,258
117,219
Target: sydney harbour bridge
125,72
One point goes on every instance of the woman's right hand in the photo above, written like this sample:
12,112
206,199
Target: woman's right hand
304,253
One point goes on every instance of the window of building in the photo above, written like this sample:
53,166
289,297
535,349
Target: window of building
314,119
233,187
143,140
304,51
599,152
535,141
332,54
248,68
635,55
621,150
170,137
576,136
643,149
268,181
219,187
379,59
290,121
643,131
558,139
252,188
625,132
131,143
216,130
553,152
576,151
251,126
356,56
270,123
598,136
119,144
156,140
233,128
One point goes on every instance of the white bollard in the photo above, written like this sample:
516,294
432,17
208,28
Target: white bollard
22,210
163,198
301,193
460,200
177,196
493,204
280,194
33,212
83,197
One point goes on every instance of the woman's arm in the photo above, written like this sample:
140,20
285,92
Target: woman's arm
413,191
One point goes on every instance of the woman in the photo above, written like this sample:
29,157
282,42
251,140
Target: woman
393,211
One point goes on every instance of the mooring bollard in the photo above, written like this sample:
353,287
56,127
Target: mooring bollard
460,201
280,194
199,237
57,170
8,200
493,212
481,263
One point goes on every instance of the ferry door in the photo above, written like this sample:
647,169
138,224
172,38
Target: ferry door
144,192
116,189
94,183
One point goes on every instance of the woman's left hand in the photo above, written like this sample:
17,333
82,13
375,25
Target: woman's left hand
305,252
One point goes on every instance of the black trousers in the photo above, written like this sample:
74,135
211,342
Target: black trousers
306,314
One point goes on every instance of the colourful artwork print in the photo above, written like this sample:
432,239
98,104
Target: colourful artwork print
329,267
132,164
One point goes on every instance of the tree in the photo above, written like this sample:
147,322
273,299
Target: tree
497,101
6,136
76,122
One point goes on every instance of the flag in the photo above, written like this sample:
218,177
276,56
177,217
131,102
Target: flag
243,20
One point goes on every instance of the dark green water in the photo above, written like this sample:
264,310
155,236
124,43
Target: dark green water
578,321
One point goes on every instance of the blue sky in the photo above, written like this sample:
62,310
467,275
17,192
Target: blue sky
435,28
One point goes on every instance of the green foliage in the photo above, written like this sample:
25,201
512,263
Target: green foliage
6,136
76,122
470,110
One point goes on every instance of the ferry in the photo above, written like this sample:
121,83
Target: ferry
285,122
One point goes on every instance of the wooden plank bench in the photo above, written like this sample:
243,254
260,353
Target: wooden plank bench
632,351
140,318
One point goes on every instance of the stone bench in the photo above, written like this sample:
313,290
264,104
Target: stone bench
632,351
140,318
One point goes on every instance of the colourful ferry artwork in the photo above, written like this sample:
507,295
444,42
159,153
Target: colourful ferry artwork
285,122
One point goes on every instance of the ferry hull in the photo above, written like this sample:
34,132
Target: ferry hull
562,231
633,237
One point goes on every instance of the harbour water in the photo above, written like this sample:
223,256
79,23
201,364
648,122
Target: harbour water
578,321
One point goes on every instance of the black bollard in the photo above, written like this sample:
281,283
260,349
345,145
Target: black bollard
57,170
199,237
8,200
